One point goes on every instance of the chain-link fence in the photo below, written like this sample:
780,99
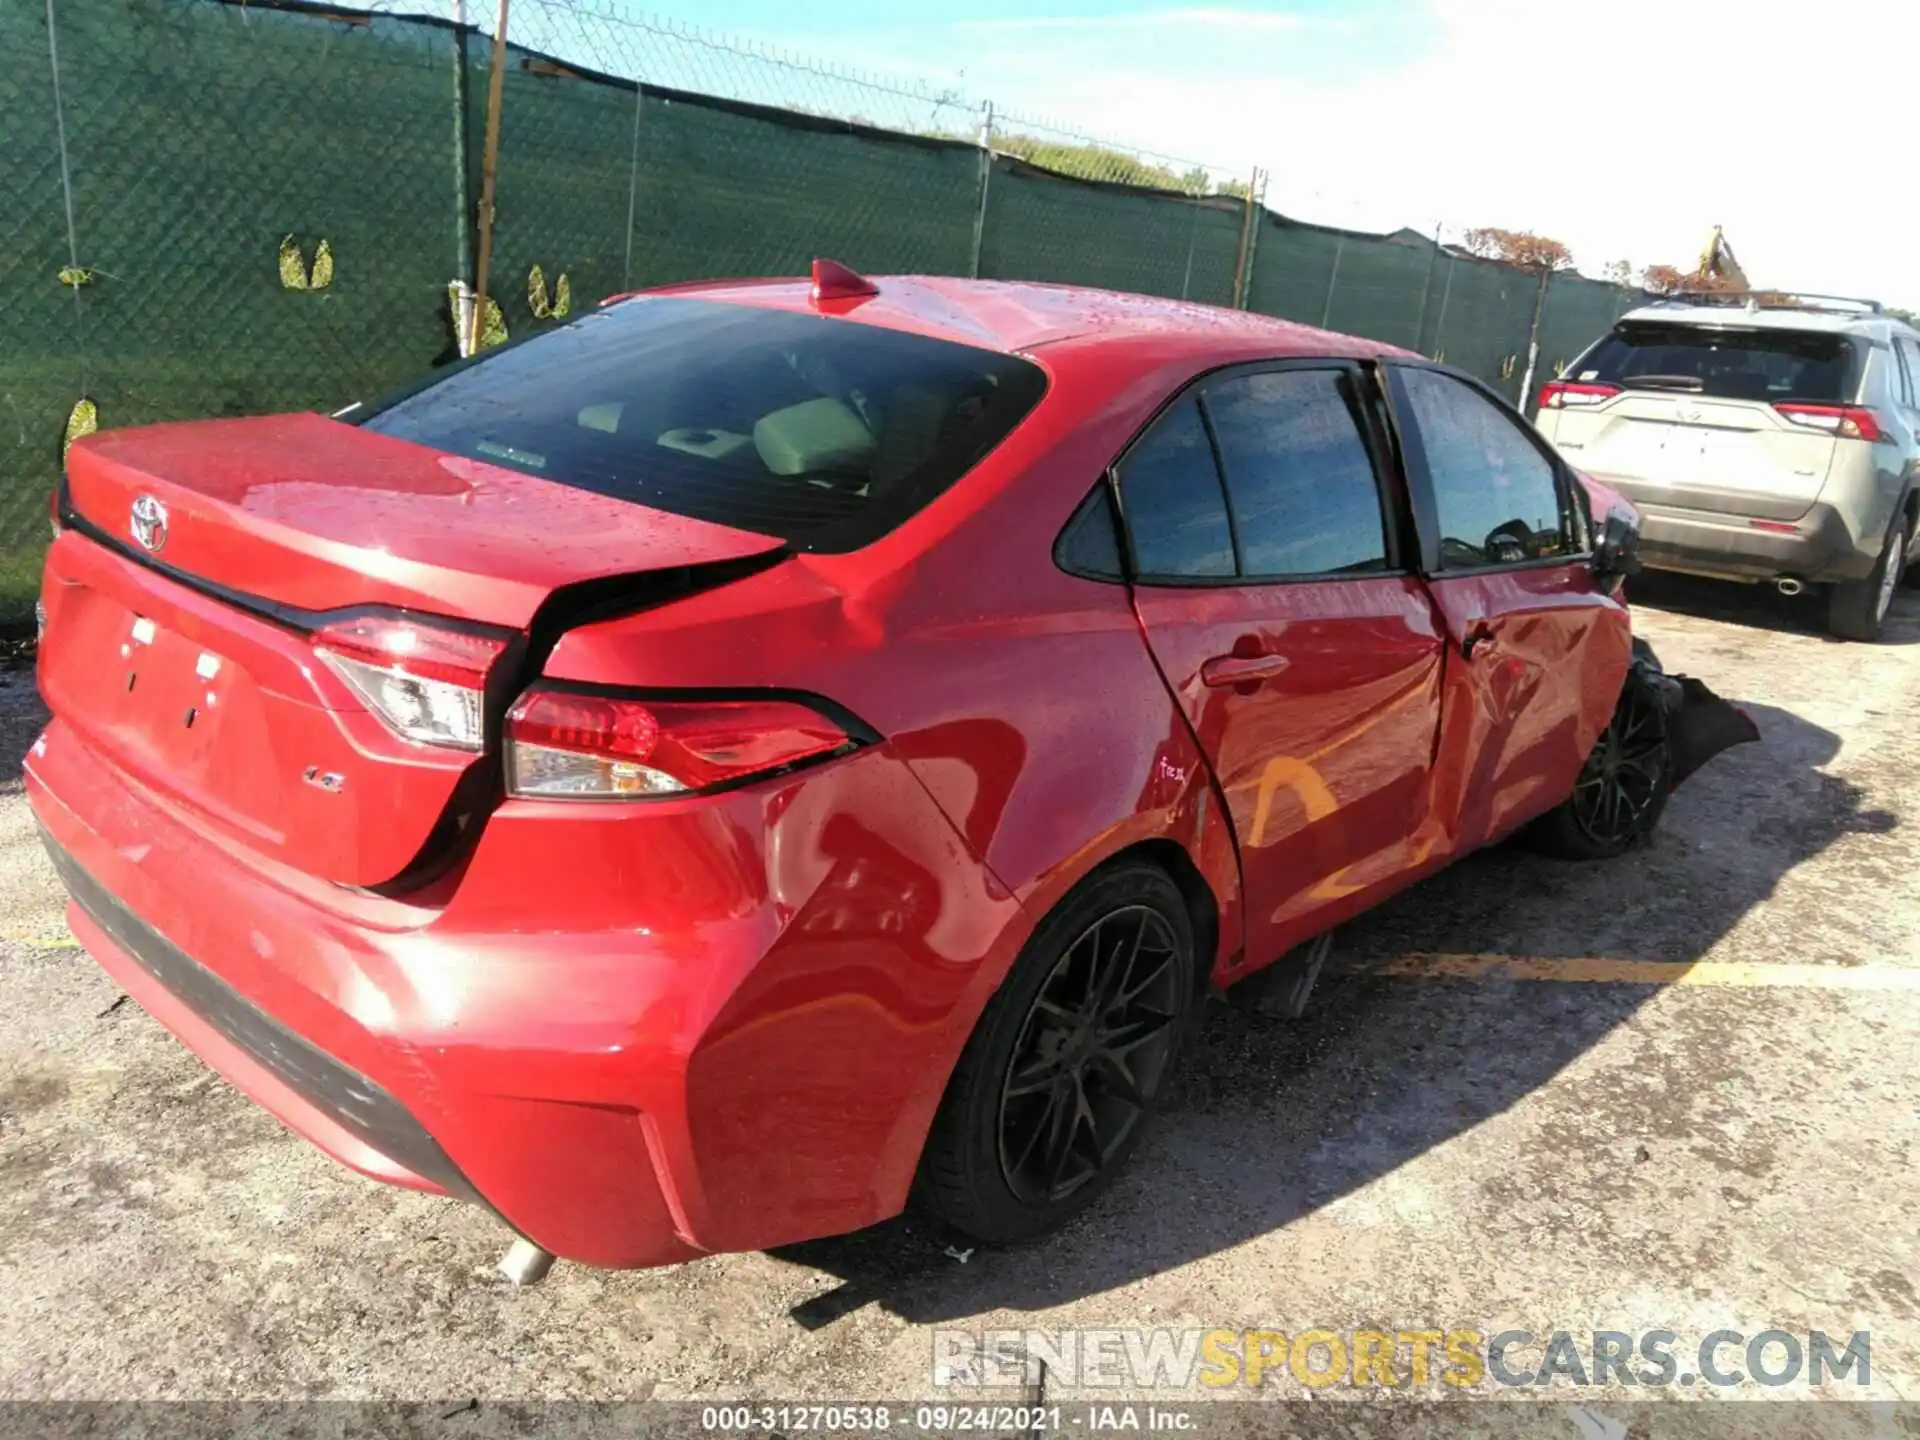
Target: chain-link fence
226,206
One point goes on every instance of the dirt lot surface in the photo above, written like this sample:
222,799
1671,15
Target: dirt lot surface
1442,1143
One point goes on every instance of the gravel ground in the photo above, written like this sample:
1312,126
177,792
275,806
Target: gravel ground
1421,1151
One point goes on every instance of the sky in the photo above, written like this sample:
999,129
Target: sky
1627,129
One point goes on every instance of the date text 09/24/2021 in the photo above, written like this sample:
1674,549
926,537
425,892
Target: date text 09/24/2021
943,1419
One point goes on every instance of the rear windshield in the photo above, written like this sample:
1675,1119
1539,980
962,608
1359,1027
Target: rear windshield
821,431
1732,364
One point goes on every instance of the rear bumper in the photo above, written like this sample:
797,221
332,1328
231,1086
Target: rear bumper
1824,546
633,1045
350,1115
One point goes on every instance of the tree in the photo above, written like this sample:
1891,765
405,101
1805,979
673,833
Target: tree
1670,280
1518,247
1662,279
1618,272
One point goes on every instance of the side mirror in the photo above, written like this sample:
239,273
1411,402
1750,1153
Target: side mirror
1616,550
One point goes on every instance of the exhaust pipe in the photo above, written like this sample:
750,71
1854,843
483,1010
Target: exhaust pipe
525,1263
1790,585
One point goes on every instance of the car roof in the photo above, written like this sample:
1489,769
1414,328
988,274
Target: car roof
1019,316
1744,317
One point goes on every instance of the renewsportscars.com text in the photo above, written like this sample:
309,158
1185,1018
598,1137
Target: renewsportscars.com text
1462,1358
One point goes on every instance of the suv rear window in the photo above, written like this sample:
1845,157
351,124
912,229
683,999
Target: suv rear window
822,431
1732,364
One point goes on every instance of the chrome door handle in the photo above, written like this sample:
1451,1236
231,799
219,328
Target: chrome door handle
1225,670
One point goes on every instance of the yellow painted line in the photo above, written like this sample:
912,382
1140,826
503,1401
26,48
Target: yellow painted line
1595,969
41,939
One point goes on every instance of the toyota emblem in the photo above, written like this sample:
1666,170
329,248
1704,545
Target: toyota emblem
149,522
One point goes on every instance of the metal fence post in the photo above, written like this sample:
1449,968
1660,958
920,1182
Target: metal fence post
1333,279
633,183
1245,255
462,241
1533,337
1426,289
1256,206
489,162
66,196
1193,241
986,178
1439,351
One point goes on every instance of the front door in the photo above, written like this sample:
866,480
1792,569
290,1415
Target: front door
1276,600
1536,652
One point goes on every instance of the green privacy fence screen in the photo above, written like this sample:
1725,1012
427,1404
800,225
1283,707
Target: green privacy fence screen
157,157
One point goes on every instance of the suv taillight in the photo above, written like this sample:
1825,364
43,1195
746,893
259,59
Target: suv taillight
1848,422
1573,395
425,682
568,744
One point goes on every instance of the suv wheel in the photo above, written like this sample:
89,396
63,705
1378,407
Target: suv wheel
1056,1085
1857,609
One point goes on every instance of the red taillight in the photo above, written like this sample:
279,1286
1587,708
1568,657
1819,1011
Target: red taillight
425,682
1847,422
1573,395
567,744
1778,527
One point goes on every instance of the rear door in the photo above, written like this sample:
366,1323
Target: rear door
1728,419
1903,415
1536,652
1907,422
1279,606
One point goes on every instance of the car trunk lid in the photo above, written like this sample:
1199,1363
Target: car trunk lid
188,650
1697,416
309,514
1722,456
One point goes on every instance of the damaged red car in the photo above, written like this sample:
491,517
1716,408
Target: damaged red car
694,777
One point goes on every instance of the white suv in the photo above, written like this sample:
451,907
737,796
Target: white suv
1775,442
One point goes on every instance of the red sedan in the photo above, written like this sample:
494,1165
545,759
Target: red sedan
691,777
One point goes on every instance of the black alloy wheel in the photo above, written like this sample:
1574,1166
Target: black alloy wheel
1091,1055
1069,1060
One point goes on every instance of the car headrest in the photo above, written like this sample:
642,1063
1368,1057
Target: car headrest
816,434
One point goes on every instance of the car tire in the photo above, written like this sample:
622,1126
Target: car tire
1857,609
1036,1119
1623,788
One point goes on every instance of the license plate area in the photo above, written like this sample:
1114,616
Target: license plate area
173,691
1686,455
184,716
227,718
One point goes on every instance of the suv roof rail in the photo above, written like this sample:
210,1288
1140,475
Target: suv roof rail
1775,300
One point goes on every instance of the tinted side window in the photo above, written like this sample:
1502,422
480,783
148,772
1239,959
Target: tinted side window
1170,490
1496,495
1090,544
1899,384
1302,484
1910,357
